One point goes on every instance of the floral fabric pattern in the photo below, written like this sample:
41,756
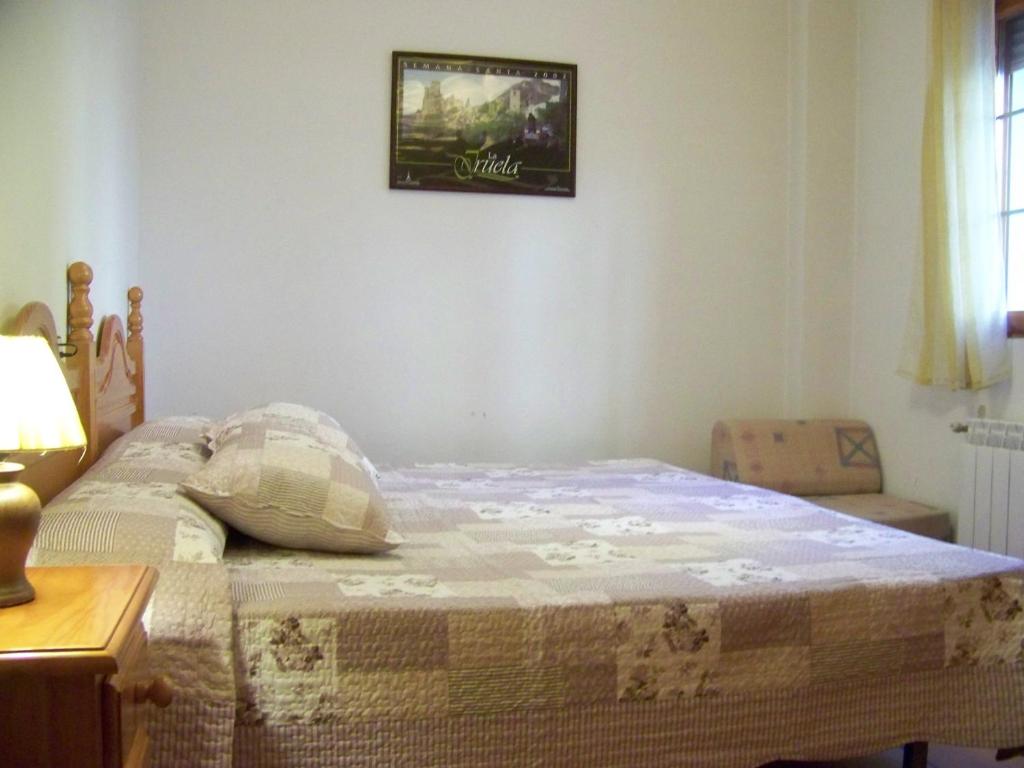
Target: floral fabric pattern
667,651
127,509
616,613
985,622
611,584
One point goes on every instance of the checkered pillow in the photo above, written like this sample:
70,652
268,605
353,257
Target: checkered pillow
289,417
289,475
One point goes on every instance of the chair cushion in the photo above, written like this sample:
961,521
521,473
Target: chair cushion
891,510
803,458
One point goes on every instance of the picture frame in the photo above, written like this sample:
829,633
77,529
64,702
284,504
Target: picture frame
463,123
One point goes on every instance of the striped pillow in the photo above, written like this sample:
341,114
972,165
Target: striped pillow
295,482
127,505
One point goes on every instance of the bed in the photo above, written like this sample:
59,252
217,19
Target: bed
621,613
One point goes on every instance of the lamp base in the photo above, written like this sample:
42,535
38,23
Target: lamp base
16,594
19,521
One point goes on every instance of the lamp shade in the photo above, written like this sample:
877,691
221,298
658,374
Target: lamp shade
37,412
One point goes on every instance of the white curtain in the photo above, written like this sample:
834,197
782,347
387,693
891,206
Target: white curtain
956,337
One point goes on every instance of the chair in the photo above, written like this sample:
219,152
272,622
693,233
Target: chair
834,463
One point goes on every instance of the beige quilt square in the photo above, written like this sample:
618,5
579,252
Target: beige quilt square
393,640
774,668
866,614
667,650
504,689
984,622
406,694
590,683
576,634
486,638
865,658
289,665
761,622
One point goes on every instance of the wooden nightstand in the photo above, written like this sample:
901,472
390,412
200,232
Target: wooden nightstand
70,691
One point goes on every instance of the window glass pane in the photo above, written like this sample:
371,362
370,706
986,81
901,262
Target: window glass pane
1000,162
1017,162
1016,90
1011,40
1015,263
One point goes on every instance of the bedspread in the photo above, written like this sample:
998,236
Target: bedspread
619,613
613,614
127,509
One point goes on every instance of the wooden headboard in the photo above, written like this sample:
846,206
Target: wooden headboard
105,373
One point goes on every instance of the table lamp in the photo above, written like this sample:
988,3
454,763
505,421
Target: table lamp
37,414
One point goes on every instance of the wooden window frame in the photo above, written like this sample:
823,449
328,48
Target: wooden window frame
1006,10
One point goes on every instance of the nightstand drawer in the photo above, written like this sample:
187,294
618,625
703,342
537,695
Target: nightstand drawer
128,702
72,670
124,712
124,721
51,722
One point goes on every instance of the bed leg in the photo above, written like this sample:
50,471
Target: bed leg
915,754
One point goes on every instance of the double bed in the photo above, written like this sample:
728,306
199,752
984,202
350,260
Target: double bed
621,613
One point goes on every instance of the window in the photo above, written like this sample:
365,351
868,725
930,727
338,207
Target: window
1009,93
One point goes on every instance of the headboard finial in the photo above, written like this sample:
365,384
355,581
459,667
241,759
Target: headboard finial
80,308
134,313
134,349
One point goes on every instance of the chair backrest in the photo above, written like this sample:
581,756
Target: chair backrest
816,457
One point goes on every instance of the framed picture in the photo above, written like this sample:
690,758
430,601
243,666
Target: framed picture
479,124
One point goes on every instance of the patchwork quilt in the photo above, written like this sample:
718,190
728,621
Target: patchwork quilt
127,509
623,613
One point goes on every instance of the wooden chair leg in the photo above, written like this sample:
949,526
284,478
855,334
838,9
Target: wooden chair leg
915,754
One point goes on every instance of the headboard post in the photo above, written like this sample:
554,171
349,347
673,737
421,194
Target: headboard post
104,372
135,347
79,307
81,364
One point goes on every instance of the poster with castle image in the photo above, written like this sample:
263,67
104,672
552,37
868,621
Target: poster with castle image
476,124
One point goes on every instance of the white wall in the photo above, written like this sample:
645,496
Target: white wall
67,150
441,326
728,151
29,150
822,155
912,422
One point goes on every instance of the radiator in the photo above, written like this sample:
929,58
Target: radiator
991,513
